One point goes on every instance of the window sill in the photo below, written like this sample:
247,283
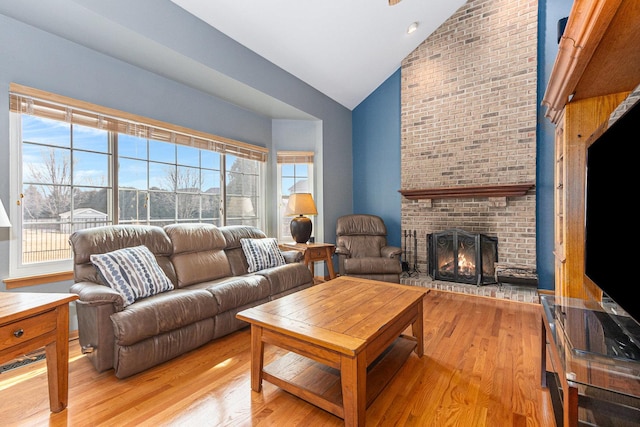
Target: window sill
21,282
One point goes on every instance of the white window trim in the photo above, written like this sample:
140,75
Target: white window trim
16,268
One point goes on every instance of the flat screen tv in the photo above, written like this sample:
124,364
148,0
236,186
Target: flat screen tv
612,235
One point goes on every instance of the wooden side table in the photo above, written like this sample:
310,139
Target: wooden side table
29,321
313,252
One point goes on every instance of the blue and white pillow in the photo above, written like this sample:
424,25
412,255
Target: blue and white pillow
262,253
133,272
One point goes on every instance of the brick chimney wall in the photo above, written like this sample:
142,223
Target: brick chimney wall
469,119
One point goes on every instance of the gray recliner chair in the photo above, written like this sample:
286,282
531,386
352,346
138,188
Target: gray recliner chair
361,246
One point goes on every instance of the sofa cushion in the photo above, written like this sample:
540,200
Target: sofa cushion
375,265
100,240
198,253
262,253
234,292
286,277
232,234
133,272
162,313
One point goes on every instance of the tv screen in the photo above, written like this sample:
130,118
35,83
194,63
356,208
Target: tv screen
612,239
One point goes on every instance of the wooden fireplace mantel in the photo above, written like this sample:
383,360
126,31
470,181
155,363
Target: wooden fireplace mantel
504,190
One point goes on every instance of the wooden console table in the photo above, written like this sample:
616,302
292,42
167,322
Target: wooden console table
313,252
29,321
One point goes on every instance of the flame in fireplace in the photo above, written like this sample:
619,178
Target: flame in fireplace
465,267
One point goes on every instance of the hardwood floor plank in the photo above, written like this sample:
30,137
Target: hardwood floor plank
480,368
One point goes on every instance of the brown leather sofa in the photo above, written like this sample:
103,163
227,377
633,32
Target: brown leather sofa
362,249
209,271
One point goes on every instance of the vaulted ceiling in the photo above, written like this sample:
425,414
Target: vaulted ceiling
344,49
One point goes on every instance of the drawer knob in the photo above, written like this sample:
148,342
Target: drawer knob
18,333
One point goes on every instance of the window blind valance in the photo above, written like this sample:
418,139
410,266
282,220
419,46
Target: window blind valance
26,100
295,157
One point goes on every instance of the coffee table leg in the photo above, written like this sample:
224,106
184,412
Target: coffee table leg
417,328
353,376
257,357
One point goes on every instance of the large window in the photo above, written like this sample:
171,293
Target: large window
295,175
161,183
78,167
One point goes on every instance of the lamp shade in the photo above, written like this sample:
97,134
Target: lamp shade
4,219
301,204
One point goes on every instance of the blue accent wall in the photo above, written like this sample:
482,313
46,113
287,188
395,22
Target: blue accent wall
376,156
549,12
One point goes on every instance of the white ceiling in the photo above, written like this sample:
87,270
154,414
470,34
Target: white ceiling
343,48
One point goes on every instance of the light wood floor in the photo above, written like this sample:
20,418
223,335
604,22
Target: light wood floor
480,368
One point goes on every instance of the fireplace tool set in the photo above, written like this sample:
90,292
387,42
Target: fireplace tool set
408,271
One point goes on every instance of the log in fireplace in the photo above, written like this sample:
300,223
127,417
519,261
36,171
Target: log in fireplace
458,256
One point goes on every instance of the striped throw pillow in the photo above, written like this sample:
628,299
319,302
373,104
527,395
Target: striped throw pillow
133,272
262,253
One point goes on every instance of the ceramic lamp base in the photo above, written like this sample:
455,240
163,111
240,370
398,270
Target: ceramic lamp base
301,228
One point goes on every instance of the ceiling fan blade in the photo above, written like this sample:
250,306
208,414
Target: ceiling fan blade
392,2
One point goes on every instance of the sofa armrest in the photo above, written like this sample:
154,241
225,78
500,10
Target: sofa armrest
94,309
92,293
292,256
390,251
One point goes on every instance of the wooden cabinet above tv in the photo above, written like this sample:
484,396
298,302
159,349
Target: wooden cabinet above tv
598,54
597,66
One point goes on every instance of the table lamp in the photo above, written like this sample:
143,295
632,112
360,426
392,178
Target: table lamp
4,219
301,204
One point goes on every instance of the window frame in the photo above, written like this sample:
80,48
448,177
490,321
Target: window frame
55,107
292,158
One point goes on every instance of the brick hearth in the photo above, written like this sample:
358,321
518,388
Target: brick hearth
506,291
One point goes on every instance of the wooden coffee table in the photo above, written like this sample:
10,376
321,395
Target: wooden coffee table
352,326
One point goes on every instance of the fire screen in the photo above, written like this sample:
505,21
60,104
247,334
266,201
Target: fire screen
458,256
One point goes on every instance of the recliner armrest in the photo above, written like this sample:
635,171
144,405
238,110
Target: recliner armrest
390,251
341,250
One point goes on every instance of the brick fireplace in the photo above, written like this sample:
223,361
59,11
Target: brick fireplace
468,120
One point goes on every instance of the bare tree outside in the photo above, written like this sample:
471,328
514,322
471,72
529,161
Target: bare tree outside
242,191
54,173
32,203
186,183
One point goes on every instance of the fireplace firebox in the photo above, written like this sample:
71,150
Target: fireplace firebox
458,256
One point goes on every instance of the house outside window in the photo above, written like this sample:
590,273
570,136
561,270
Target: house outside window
77,168
295,175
